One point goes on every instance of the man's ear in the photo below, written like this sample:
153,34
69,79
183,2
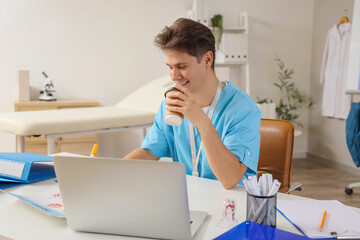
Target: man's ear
208,58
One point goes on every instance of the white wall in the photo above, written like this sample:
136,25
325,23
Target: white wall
327,139
104,49
92,49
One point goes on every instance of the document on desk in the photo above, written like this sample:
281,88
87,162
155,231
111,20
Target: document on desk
44,196
308,214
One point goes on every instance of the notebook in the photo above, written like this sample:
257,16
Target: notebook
141,198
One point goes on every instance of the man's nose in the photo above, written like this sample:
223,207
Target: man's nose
175,74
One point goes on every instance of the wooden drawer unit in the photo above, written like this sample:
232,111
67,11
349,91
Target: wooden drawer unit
81,144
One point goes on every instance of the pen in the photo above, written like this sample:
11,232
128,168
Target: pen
334,234
348,237
323,221
93,152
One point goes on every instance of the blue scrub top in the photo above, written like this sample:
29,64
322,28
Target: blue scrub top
237,121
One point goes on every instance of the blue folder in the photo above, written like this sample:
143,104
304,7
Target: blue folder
30,168
250,230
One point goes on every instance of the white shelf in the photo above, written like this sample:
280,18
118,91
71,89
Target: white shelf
224,64
233,57
234,54
234,29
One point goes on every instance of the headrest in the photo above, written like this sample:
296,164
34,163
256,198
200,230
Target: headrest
147,97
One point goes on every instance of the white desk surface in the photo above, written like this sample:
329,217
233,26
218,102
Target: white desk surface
21,221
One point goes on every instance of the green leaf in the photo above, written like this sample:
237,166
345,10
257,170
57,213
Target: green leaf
264,100
292,100
217,21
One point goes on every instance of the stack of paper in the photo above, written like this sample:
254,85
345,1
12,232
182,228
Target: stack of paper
307,216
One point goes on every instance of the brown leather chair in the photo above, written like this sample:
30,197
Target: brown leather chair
276,149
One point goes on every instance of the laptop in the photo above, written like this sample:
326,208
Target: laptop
141,198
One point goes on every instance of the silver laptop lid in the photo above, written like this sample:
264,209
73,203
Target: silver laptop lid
128,197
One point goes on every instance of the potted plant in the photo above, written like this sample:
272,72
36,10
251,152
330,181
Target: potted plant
292,100
217,27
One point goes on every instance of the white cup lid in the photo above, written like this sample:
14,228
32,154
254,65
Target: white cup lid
173,120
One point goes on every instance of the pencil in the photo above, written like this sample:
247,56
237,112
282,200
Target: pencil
93,152
323,221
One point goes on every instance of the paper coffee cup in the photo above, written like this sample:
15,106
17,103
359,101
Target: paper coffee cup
173,118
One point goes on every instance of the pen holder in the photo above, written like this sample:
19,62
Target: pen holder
261,209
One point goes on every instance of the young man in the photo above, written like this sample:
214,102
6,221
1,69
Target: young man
224,146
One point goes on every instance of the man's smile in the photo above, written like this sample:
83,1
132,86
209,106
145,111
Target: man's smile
182,83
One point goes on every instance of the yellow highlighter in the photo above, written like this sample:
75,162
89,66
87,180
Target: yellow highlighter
93,152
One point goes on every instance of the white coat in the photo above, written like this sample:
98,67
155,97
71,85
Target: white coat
335,103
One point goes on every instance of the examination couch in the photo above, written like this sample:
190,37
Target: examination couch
135,111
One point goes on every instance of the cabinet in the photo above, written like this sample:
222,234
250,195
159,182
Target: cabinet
75,144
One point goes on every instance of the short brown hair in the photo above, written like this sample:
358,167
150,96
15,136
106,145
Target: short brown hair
188,36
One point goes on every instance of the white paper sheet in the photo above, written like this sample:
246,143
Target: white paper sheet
307,215
44,196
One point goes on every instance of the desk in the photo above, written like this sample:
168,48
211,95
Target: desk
20,221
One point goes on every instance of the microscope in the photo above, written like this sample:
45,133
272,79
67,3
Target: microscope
46,92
